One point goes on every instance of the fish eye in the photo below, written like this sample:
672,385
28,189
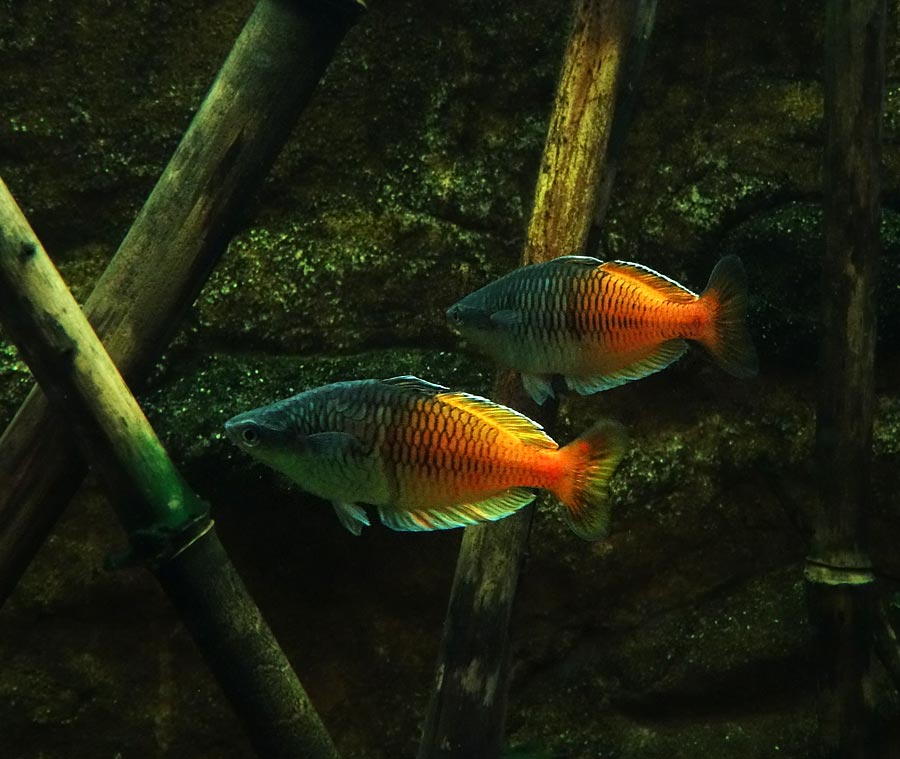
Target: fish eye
250,435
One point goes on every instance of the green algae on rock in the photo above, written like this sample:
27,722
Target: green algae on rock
15,381
339,282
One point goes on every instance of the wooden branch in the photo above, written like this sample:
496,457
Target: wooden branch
568,185
154,503
886,645
635,55
467,712
175,241
840,582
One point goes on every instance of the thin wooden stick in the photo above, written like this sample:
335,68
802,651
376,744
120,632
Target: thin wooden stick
168,522
635,55
568,185
886,645
840,583
175,241
467,712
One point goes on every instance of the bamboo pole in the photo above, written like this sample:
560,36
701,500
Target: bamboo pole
467,711
168,524
840,582
174,243
568,185
635,55
887,646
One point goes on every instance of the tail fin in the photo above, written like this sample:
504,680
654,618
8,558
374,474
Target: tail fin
729,340
590,461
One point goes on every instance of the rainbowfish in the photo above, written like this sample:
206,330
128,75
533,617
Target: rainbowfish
600,324
428,458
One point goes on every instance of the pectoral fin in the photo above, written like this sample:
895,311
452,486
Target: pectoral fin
507,318
334,444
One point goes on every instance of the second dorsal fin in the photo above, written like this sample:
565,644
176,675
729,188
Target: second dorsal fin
645,276
507,419
420,386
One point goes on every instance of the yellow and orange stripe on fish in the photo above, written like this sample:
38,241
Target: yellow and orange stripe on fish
600,325
427,457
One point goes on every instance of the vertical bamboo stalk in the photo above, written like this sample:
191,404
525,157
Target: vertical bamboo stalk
568,185
467,711
635,55
886,645
840,583
167,522
175,241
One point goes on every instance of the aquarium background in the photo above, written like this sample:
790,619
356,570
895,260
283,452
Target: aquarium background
406,184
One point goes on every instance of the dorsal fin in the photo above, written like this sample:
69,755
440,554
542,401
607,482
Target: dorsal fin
420,386
653,279
581,260
507,419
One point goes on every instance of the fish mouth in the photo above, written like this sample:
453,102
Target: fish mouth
454,320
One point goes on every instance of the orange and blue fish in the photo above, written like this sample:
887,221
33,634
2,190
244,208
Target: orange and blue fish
601,324
428,458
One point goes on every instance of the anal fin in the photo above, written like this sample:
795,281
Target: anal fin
460,515
667,353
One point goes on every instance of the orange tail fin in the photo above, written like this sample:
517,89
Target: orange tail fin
590,461
728,339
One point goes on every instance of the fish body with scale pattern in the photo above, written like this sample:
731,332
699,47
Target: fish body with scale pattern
427,457
601,324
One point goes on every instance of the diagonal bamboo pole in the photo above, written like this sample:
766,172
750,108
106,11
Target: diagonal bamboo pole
168,524
840,581
174,243
467,711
